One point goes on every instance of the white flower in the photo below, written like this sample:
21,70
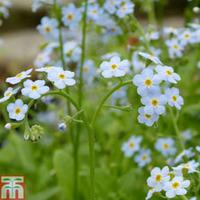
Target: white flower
46,69
94,12
187,153
193,198
108,56
34,89
198,148
143,158
158,178
190,166
42,59
137,63
145,118
19,77
61,78
8,93
146,81
17,110
154,103
150,194
72,51
187,37
71,16
187,135
176,187
111,6
49,28
173,98
114,68
167,73
150,57
175,49
165,146
125,8
131,146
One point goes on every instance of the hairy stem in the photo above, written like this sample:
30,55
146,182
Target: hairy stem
178,133
101,104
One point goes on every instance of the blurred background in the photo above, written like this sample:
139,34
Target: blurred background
21,41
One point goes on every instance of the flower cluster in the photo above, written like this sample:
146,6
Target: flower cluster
169,182
34,89
179,39
4,6
132,146
166,146
153,85
115,67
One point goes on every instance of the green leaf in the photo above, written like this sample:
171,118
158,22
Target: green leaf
46,194
63,165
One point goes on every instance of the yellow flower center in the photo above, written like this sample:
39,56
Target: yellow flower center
8,94
154,102
148,82
144,157
114,66
174,98
85,69
48,29
131,145
175,185
19,75
17,111
61,76
186,36
158,178
34,87
168,72
69,53
147,116
175,46
165,146
70,16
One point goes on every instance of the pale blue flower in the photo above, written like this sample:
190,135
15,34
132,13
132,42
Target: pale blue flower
175,49
145,118
173,98
49,28
131,146
146,81
111,6
167,74
125,8
72,51
71,16
143,157
165,146
154,103
94,12
115,67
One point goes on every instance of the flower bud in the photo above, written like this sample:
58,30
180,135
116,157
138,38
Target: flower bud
8,126
62,127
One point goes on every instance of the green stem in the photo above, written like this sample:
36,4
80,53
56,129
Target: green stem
83,47
63,94
141,33
151,12
184,197
80,95
101,104
178,133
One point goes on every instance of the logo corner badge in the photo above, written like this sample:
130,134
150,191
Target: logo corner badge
12,187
